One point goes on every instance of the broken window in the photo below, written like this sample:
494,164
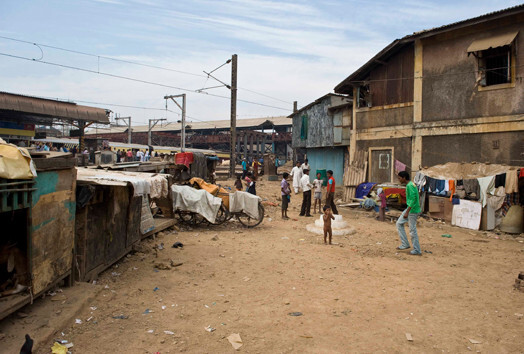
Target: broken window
495,57
364,96
495,66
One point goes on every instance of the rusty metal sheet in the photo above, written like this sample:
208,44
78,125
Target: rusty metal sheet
52,108
492,42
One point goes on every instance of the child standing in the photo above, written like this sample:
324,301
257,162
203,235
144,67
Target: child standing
286,194
328,216
238,183
250,181
317,183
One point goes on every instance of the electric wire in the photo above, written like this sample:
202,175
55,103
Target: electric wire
40,45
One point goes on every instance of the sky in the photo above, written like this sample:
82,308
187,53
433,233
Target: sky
287,50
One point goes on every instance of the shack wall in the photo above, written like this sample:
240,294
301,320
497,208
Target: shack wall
52,227
329,158
320,126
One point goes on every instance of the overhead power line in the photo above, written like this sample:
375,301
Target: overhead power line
40,45
136,80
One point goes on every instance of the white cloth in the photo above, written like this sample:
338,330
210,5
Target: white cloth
420,180
244,202
317,183
487,185
296,172
199,201
305,184
305,166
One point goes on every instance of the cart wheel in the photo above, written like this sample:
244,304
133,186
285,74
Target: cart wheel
250,222
222,215
186,217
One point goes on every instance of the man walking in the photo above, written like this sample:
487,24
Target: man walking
305,165
244,168
306,186
409,215
330,192
296,173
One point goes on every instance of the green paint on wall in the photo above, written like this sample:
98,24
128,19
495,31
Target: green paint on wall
71,207
36,227
45,183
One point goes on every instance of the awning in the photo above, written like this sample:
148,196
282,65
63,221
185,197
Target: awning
492,42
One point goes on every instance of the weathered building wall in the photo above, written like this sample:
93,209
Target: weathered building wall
401,146
52,226
380,117
449,88
504,148
329,158
320,128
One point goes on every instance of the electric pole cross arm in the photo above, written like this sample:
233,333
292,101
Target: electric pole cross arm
128,124
152,123
183,108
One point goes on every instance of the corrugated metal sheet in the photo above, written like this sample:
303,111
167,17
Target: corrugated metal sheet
327,159
52,108
492,42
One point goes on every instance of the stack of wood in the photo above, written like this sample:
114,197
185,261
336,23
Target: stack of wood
354,174
519,282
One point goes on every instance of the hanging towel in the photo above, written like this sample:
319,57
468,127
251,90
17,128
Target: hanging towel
451,188
487,186
512,184
446,185
420,181
399,166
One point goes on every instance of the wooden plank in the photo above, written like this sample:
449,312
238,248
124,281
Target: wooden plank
54,164
160,225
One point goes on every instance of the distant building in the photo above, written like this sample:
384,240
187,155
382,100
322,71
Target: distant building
254,136
449,94
321,130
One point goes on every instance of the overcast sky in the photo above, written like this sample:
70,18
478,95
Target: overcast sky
289,50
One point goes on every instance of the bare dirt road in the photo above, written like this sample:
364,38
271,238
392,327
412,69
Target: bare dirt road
361,295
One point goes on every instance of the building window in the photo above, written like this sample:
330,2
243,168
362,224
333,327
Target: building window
495,66
303,128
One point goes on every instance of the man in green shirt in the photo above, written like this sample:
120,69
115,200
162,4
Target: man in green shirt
409,215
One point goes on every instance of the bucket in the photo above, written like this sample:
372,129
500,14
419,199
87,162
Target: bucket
323,176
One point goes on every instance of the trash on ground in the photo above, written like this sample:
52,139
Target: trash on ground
150,331
160,246
446,235
178,245
121,317
210,329
78,321
156,288
69,345
147,311
235,340
409,337
169,332
58,348
295,314
473,341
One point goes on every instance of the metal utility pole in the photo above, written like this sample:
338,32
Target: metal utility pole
154,121
232,160
183,108
128,124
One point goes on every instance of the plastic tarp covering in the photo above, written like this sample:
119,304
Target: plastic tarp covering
458,171
155,185
198,201
199,165
15,162
244,202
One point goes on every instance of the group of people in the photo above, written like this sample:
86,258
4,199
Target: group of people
302,182
128,156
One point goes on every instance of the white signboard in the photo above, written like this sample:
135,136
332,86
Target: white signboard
467,214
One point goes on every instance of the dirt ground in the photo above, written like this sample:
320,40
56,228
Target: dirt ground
361,295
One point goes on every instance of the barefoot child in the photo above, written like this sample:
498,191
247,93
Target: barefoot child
317,183
286,194
238,183
328,216
382,206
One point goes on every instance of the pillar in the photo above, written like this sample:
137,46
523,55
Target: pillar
416,140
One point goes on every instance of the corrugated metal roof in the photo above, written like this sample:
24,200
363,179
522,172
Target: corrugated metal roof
255,123
52,108
492,42
397,44
318,100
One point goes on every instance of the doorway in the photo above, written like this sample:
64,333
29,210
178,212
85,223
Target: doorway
381,165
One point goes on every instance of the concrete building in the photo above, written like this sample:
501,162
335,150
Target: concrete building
321,130
254,136
448,94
